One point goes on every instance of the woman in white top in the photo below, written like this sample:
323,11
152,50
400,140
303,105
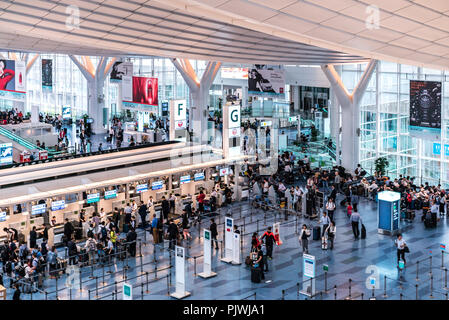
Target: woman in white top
330,207
296,196
102,215
402,248
331,231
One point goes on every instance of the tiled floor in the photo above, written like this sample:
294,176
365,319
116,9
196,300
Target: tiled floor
349,260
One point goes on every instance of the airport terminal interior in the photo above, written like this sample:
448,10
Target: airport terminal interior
224,150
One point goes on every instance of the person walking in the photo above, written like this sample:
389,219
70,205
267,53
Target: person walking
304,238
33,237
325,222
155,229
214,233
269,242
331,231
355,219
330,207
260,263
401,248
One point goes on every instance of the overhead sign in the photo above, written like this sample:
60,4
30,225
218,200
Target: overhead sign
57,205
234,116
234,73
198,176
110,194
127,291
157,185
6,152
180,110
224,172
142,188
66,112
185,179
2,216
38,209
93,197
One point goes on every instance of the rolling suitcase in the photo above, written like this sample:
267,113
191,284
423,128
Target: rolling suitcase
323,243
316,233
363,232
255,275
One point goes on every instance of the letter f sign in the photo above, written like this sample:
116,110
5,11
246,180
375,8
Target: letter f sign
179,108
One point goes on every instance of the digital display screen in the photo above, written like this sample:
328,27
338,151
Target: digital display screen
3,216
6,153
93,197
157,185
110,194
185,179
141,188
199,176
57,205
38,209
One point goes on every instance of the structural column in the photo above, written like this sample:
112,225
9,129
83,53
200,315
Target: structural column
350,113
95,86
199,95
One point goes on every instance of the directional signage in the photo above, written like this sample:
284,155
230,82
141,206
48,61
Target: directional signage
127,291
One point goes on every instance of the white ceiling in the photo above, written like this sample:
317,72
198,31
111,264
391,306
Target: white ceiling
410,31
142,27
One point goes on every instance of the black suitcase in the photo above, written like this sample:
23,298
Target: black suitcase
82,256
363,232
316,233
343,202
255,275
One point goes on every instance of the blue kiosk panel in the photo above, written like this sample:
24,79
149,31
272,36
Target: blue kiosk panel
388,212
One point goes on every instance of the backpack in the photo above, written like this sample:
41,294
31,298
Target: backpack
90,233
92,246
104,233
20,271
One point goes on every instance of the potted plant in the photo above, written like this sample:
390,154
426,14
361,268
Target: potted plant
381,165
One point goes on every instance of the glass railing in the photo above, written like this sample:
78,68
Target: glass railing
14,137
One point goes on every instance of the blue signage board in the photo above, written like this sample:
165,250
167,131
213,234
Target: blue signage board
185,179
57,205
5,153
142,188
436,149
38,209
199,176
2,216
157,185
93,197
110,194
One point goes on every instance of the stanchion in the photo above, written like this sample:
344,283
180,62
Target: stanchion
416,286
335,292
400,296
372,294
321,295
431,286
362,295
385,286
91,271
46,295
283,294
113,295
70,292
297,291
115,289
194,266
31,293
350,280
430,259
442,259
257,226
155,270
417,270
96,287
89,293
325,281
168,287
146,278
141,264
296,224
56,287
445,279
141,290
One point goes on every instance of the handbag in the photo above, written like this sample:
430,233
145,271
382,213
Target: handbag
406,249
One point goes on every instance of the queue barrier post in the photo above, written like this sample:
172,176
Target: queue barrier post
115,289
88,293
417,270
146,276
335,292
325,281
141,263
155,270
400,296
141,290
56,287
283,294
297,291
445,279
385,286
442,259
361,296
430,266
194,266
416,289
431,286
350,280
70,292
168,286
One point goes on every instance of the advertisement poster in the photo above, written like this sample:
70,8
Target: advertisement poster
66,112
234,73
12,79
144,92
47,74
425,109
6,153
266,80
121,69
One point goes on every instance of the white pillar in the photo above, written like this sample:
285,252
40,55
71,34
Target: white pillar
350,104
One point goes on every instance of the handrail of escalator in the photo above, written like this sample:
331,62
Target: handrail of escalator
14,137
